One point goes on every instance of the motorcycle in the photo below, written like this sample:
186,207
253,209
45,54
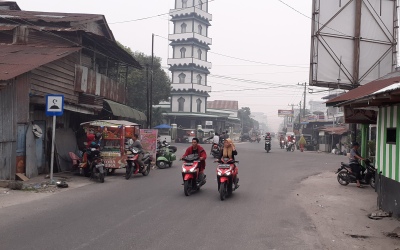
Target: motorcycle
346,176
132,164
282,144
190,174
258,139
290,146
93,165
216,150
267,145
227,177
165,156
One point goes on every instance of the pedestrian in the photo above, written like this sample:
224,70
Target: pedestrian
302,143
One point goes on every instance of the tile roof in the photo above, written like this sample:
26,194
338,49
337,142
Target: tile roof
366,89
52,17
223,104
18,59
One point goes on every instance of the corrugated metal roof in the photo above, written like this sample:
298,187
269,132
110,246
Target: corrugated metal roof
223,104
35,16
7,27
364,90
18,59
124,111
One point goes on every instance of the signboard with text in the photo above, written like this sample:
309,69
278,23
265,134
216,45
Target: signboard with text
283,113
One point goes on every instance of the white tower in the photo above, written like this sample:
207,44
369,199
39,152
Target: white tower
189,65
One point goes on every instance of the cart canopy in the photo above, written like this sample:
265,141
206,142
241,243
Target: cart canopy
110,123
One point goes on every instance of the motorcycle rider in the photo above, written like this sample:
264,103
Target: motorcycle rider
199,150
223,137
134,142
281,140
229,151
354,162
215,140
268,138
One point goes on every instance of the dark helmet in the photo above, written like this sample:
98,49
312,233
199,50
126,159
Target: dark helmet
93,144
355,144
268,133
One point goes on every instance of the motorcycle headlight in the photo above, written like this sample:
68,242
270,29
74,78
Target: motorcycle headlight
219,173
193,169
183,170
228,172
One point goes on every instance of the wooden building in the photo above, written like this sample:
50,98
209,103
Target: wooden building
42,53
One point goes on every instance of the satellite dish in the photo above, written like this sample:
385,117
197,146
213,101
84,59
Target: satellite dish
37,131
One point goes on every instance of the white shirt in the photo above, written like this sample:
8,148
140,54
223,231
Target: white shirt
216,139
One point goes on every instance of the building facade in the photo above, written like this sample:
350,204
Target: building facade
189,65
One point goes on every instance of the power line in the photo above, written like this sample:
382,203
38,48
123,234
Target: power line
258,62
159,15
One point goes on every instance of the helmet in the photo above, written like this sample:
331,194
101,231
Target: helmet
93,144
268,133
355,144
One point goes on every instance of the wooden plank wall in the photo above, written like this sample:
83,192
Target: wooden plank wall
8,134
57,77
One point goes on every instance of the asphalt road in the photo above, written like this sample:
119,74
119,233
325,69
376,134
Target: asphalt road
153,213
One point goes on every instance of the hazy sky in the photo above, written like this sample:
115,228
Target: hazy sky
266,32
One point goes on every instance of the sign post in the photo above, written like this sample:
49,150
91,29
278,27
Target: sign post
54,107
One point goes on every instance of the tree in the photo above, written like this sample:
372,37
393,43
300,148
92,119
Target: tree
244,116
137,82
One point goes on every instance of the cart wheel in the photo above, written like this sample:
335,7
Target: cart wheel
111,171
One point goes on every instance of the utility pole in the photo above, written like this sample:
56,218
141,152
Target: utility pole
147,96
151,81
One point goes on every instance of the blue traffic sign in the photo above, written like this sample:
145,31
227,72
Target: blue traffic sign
54,105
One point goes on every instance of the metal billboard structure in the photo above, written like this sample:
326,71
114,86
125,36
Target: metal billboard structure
353,42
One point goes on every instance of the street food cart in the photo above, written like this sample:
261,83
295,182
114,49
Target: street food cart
114,135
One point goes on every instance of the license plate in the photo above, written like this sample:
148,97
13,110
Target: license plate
224,166
188,164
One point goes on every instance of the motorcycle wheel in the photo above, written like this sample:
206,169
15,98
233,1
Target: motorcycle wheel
101,178
187,187
372,182
129,171
161,164
222,191
147,172
230,188
342,178
86,172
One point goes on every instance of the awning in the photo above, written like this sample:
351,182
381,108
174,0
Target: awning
335,130
124,111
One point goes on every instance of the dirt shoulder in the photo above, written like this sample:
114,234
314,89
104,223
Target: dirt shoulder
38,188
340,214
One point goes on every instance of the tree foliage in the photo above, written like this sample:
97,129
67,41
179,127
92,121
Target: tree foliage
245,119
137,82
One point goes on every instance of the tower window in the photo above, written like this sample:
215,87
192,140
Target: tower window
182,78
200,4
184,3
183,28
181,104
199,78
198,101
200,31
199,53
183,52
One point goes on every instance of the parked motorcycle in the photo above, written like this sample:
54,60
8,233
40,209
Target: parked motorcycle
93,165
346,176
165,156
190,174
227,177
132,164
267,145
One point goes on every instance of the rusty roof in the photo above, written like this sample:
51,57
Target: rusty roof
223,104
18,59
366,89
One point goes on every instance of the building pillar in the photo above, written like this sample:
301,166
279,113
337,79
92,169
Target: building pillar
364,140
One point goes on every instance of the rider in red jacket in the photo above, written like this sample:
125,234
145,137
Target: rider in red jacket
197,149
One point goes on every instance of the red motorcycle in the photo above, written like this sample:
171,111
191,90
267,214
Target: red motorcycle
132,164
227,179
190,174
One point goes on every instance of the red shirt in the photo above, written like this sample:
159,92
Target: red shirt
201,152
